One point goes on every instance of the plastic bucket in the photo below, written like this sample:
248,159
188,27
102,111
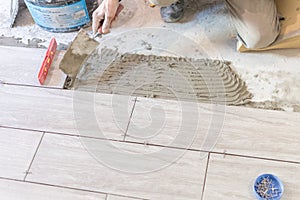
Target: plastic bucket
59,15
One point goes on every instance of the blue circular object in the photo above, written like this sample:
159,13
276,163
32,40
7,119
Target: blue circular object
268,187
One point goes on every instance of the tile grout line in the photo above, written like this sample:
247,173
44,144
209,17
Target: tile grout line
130,117
11,179
205,176
68,188
106,197
35,153
33,86
50,185
82,190
23,129
255,157
156,145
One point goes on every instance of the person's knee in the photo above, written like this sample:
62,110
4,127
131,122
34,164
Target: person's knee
260,39
256,21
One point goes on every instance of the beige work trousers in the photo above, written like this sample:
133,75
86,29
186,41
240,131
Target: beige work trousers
256,21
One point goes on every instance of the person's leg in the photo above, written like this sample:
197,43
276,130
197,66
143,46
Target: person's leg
256,21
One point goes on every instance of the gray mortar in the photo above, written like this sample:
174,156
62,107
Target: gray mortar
78,51
201,80
17,42
32,43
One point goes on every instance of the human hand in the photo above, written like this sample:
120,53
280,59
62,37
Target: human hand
106,13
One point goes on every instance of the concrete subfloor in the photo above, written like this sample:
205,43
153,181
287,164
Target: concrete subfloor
205,31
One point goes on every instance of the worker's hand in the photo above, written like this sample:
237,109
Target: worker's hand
107,10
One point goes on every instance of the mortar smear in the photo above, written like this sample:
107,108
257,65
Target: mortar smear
176,78
81,47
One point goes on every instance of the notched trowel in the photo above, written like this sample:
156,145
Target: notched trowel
80,48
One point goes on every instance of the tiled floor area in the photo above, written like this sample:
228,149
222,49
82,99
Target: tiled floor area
50,146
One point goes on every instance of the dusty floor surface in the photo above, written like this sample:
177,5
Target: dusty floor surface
206,31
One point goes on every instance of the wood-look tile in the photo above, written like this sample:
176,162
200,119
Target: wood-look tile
233,177
169,123
64,111
17,149
260,133
13,190
234,130
21,66
63,160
